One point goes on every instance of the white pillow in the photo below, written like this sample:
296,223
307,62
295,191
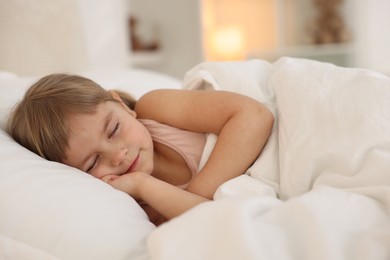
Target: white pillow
334,126
52,211
64,212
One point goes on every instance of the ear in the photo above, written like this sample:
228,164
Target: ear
116,96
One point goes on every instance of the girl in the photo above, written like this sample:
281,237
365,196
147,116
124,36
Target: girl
149,149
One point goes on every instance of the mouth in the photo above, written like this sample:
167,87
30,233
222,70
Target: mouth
133,165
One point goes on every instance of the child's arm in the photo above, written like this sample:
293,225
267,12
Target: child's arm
154,216
242,124
165,198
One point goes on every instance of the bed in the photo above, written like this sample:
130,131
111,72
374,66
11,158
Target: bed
321,187
319,190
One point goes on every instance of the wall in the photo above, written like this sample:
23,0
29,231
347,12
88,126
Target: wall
372,31
179,30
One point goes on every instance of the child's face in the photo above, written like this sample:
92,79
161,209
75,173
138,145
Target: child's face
110,142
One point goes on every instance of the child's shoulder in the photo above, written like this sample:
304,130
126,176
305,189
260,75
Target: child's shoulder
156,100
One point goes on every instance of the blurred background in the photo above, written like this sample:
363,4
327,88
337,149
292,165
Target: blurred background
353,33
172,36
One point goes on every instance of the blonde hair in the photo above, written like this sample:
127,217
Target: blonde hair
40,121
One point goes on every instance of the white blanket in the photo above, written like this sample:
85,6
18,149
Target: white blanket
321,187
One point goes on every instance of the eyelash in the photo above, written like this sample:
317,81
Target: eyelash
93,165
95,161
113,133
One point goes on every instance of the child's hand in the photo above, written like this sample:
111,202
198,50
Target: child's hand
109,178
129,182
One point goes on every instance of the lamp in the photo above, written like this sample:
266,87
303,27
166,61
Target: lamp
228,43
233,28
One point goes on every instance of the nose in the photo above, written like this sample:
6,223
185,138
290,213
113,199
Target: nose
118,156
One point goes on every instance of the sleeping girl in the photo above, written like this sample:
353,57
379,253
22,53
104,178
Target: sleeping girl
150,148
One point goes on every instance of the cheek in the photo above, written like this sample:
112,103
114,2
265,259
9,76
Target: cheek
147,138
138,133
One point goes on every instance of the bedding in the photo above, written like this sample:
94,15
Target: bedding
319,190
321,187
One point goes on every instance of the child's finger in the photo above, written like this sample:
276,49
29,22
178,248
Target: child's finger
109,178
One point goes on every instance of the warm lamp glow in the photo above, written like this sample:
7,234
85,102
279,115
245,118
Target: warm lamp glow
234,28
228,43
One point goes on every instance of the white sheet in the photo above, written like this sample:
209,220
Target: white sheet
321,188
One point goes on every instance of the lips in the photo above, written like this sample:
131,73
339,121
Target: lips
134,164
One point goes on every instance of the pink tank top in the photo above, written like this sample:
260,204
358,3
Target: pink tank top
188,144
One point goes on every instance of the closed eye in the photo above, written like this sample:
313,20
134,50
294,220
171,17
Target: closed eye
93,165
114,132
